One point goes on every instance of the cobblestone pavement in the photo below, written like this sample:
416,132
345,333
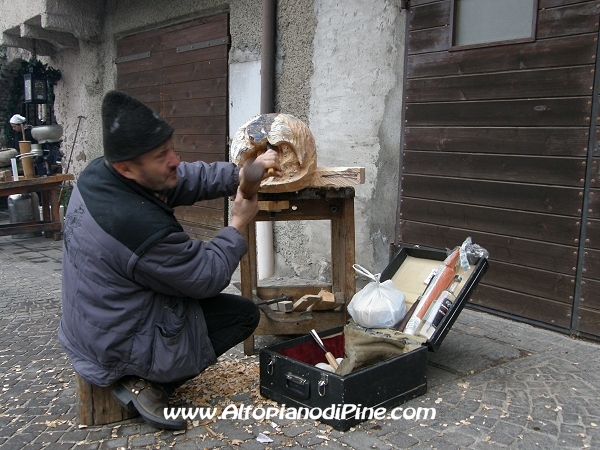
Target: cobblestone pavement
494,383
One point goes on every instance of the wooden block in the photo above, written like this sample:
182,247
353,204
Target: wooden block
273,205
6,175
338,176
96,405
304,302
326,302
286,306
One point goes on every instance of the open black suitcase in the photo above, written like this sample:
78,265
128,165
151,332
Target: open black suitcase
288,374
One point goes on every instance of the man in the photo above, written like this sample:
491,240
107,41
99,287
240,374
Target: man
142,301
16,122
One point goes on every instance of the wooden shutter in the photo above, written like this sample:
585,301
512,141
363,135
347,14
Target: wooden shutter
496,146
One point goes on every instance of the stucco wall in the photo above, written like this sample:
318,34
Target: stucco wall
355,110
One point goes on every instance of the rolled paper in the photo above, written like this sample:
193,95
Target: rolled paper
442,279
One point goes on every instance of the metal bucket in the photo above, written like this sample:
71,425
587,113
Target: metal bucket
24,208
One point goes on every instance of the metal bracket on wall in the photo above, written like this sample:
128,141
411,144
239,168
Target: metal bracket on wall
205,44
137,56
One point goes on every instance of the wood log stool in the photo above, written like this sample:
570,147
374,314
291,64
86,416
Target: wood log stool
96,405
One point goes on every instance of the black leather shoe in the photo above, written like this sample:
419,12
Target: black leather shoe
137,394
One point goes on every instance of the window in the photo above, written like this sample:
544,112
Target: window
479,22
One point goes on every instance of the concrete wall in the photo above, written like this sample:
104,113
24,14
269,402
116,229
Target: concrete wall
339,68
355,115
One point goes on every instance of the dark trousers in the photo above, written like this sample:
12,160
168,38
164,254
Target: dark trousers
230,319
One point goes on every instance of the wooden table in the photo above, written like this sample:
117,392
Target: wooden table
48,188
327,203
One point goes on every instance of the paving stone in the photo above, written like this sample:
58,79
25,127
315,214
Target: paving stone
308,440
362,440
295,430
401,440
141,441
86,446
113,443
58,446
496,437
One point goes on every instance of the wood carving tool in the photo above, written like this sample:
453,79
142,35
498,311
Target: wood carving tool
252,175
330,358
270,170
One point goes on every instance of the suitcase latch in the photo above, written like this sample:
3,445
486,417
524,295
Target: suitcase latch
271,365
322,383
297,386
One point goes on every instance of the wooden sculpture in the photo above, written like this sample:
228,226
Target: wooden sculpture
290,137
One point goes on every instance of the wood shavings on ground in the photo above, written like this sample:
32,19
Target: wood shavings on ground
228,381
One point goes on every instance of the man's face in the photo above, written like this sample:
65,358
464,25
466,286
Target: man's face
155,170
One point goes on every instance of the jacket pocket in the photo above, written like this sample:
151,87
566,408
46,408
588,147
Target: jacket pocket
173,355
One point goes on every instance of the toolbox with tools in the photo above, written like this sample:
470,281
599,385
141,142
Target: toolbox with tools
382,367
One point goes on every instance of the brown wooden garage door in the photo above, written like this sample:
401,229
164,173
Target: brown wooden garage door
181,73
496,145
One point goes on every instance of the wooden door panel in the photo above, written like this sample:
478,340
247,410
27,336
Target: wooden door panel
199,125
527,306
559,52
518,169
192,144
496,146
195,71
592,235
194,89
136,80
191,156
542,283
523,252
539,112
589,321
138,44
205,30
591,264
542,141
172,58
590,298
216,106
513,196
568,20
429,16
429,40
560,82
543,227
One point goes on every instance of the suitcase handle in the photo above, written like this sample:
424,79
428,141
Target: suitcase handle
297,385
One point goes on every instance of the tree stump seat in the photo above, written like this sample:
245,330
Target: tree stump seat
96,405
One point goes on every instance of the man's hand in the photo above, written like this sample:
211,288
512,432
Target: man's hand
243,211
269,160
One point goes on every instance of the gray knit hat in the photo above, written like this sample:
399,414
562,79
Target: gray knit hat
130,128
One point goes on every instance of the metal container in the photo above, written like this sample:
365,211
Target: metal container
24,208
47,133
37,150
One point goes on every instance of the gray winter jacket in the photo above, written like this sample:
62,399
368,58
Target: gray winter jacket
131,275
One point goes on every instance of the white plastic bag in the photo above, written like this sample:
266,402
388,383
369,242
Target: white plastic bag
377,305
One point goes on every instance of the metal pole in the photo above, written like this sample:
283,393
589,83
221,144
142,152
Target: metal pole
267,63
62,187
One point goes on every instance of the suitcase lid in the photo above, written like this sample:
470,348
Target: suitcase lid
470,280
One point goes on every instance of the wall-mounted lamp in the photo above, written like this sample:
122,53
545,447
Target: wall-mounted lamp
35,87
